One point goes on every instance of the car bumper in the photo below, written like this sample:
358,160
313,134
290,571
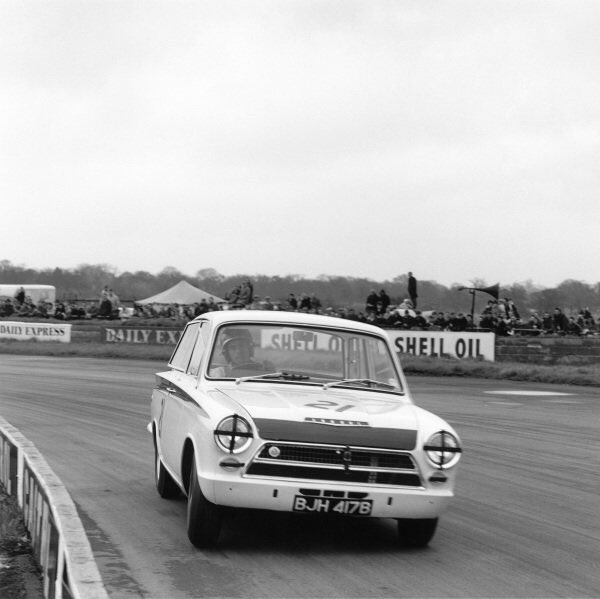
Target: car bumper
280,495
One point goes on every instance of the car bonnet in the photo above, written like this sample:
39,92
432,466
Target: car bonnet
333,406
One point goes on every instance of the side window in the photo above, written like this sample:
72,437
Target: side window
181,355
198,352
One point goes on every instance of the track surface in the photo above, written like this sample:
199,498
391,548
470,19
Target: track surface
525,522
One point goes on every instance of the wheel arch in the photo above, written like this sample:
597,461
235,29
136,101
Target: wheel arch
187,459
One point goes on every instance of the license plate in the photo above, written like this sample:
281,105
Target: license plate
331,505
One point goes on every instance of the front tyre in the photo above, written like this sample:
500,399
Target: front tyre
203,517
165,485
416,532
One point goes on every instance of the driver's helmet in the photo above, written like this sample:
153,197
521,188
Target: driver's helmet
237,336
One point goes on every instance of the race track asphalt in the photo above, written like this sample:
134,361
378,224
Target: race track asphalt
525,522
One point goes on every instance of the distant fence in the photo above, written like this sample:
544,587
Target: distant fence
540,349
60,545
548,349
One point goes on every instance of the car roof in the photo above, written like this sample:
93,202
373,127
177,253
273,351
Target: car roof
283,317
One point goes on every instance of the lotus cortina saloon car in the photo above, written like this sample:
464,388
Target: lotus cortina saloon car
299,413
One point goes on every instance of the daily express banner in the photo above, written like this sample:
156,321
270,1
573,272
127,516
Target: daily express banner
41,331
155,336
444,344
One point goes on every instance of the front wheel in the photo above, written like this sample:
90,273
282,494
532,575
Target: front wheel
203,517
416,532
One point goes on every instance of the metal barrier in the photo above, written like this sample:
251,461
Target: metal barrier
60,545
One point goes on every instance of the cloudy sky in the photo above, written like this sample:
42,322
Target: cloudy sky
459,140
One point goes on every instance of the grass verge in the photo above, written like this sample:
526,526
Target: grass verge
19,576
564,374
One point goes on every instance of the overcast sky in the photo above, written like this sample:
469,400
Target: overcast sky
459,140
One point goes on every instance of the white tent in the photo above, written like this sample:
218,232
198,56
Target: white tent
183,293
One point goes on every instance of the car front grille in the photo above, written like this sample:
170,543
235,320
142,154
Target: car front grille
354,465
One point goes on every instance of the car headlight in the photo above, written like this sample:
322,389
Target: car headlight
233,434
443,449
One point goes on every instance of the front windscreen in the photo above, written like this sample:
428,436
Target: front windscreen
303,354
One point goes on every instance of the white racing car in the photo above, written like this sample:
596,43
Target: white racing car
299,413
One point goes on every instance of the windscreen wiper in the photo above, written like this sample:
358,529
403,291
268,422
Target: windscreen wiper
288,376
370,382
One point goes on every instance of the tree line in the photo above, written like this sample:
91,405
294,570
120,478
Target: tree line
86,281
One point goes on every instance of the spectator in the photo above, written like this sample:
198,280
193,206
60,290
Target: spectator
305,305
408,320
459,323
547,323
20,296
420,321
40,310
234,296
442,321
200,307
246,293
213,306
588,320
268,304
384,299
6,308
315,304
559,322
470,323
431,319
250,291
105,309
488,308
412,289
113,298
511,308
389,319
292,302
502,328
572,328
60,311
535,322
487,321
502,309
371,303
26,308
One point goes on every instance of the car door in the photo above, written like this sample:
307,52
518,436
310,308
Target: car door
175,397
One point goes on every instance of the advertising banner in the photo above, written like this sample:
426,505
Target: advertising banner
41,331
153,336
479,346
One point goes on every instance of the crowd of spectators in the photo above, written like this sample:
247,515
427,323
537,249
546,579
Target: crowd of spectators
23,306
500,316
27,308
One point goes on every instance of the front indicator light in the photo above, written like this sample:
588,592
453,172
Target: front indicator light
438,477
443,450
230,463
233,434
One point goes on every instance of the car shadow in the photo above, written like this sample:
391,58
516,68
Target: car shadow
258,530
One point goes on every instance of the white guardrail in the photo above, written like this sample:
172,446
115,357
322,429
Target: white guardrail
60,545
